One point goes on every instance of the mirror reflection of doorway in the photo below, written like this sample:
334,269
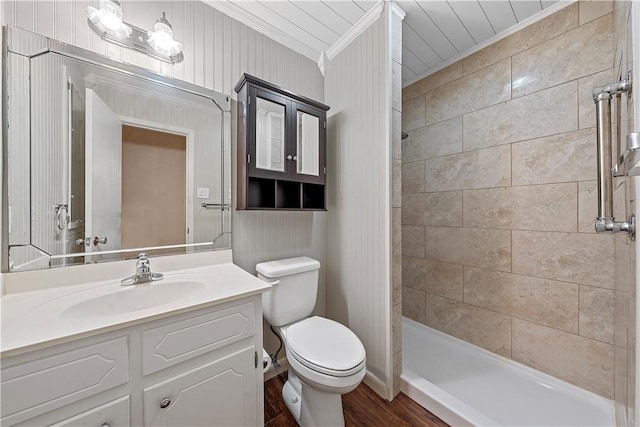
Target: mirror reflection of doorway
154,188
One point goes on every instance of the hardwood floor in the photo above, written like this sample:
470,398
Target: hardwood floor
362,407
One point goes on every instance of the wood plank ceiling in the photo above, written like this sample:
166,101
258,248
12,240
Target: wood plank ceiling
434,31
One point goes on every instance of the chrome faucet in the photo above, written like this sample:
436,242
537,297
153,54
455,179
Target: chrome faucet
143,272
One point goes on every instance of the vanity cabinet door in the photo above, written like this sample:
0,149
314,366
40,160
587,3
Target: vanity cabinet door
220,393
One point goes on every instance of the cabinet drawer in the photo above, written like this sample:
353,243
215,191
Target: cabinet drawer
42,385
220,393
170,344
112,414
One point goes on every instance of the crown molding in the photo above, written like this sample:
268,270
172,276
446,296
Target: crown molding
395,8
357,29
231,9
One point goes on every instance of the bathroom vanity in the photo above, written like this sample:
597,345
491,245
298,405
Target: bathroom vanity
180,353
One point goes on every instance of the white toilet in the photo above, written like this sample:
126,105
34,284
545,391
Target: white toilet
325,358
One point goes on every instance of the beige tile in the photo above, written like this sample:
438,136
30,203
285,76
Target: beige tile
596,313
587,206
413,304
397,371
550,207
412,241
578,360
396,179
433,81
396,145
413,177
469,246
586,106
396,328
396,256
549,302
488,86
620,382
536,33
559,158
486,168
439,278
396,86
439,139
443,208
483,328
573,257
593,9
413,114
624,263
577,53
622,318
548,112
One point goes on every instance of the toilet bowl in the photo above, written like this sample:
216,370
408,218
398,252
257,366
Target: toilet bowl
326,359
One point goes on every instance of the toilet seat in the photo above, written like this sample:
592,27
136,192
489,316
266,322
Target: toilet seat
325,346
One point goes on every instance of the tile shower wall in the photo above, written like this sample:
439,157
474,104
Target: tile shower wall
218,49
499,198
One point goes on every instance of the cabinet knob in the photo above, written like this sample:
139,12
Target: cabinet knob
105,425
295,158
165,402
289,157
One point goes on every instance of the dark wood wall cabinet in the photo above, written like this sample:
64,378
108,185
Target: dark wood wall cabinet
281,148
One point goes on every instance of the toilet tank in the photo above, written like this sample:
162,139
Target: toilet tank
293,295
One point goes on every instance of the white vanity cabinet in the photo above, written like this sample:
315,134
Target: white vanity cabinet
198,368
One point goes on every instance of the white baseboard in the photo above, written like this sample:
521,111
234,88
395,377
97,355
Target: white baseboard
376,385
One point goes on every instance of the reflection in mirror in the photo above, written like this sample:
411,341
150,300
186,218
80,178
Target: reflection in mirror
308,144
103,163
270,150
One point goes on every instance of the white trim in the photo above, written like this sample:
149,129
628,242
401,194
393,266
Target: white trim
491,40
395,8
236,12
189,135
376,384
358,28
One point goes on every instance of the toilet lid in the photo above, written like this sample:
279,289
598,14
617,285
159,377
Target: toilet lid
325,346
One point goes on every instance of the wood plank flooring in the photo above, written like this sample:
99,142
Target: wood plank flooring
362,407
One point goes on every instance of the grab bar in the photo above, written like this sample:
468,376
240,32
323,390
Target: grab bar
605,222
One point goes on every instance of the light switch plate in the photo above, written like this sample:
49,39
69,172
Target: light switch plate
203,193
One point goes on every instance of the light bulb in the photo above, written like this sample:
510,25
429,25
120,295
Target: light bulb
161,38
108,19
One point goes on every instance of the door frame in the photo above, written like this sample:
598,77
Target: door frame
189,134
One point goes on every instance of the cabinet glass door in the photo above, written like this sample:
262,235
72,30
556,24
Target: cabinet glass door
309,158
308,146
270,135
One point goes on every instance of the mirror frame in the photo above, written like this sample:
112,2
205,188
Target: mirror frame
27,44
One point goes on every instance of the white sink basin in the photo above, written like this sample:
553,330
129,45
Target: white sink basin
134,298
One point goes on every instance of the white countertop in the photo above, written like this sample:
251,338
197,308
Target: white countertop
36,319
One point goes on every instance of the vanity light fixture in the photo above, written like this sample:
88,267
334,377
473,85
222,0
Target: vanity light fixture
108,24
161,38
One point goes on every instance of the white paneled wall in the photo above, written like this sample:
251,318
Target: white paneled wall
217,50
357,86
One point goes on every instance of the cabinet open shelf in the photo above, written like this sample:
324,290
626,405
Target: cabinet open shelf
272,194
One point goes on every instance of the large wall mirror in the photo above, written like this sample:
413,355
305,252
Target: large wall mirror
106,160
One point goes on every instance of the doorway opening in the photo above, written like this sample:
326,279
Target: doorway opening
154,188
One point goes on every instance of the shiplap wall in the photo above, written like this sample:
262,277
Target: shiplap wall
359,206
217,50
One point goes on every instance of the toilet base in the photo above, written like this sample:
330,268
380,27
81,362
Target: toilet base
311,407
